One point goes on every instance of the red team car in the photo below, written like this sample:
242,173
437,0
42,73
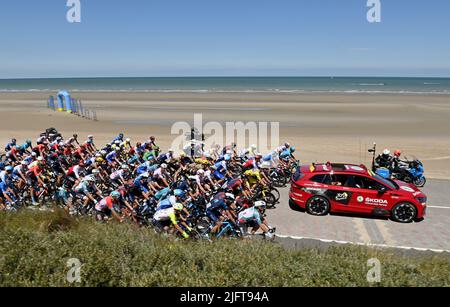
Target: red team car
324,188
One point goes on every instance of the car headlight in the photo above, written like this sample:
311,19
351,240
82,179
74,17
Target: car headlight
421,200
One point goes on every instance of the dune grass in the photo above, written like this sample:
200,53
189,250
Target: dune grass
35,248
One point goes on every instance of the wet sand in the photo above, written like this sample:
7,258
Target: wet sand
324,127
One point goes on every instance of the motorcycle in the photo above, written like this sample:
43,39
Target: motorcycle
409,171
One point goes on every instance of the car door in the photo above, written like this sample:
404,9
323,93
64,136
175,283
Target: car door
338,193
369,195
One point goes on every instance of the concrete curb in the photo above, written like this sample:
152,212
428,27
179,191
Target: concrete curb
323,244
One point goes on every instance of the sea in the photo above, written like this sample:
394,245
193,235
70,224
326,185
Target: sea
370,85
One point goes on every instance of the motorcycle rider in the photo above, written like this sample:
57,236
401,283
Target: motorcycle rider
396,161
384,159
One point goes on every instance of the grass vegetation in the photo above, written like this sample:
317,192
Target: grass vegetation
35,247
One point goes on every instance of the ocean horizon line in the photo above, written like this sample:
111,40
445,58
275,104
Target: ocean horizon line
228,77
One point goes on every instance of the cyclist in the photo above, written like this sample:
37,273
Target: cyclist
105,207
164,218
254,217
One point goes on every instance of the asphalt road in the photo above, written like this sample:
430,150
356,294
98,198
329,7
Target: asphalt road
431,233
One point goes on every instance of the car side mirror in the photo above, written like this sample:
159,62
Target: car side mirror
382,191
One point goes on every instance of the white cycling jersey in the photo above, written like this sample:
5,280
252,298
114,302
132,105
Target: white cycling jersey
163,214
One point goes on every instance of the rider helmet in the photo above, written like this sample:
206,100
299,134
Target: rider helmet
397,153
164,165
125,167
9,169
253,147
95,171
115,194
179,193
24,163
230,196
386,152
28,142
227,157
152,138
178,207
292,149
287,145
260,204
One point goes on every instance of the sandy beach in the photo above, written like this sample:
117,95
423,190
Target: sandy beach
324,127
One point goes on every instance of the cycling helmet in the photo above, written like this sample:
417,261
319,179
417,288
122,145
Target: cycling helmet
227,157
229,196
90,136
95,171
152,138
14,141
170,150
397,153
287,145
253,147
201,172
24,163
103,153
125,167
179,193
115,194
260,204
258,157
33,154
164,165
128,140
120,135
386,152
40,159
28,142
292,149
178,207
9,168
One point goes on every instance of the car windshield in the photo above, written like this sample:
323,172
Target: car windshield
387,182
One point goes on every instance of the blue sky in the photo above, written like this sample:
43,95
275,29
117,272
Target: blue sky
224,37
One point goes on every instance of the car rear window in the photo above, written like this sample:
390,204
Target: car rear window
324,178
298,175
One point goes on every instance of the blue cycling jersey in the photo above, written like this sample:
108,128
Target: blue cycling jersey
5,186
143,168
111,156
285,154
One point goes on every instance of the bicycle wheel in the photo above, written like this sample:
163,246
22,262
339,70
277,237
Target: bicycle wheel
276,193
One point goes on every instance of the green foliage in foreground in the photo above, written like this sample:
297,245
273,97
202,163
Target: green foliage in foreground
35,247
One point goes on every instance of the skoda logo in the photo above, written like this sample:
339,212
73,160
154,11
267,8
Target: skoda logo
360,199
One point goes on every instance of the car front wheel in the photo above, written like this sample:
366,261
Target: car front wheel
318,205
404,213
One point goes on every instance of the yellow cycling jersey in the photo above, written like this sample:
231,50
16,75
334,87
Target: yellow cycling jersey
202,161
253,176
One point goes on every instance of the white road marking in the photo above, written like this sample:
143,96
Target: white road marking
365,244
438,207
437,158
